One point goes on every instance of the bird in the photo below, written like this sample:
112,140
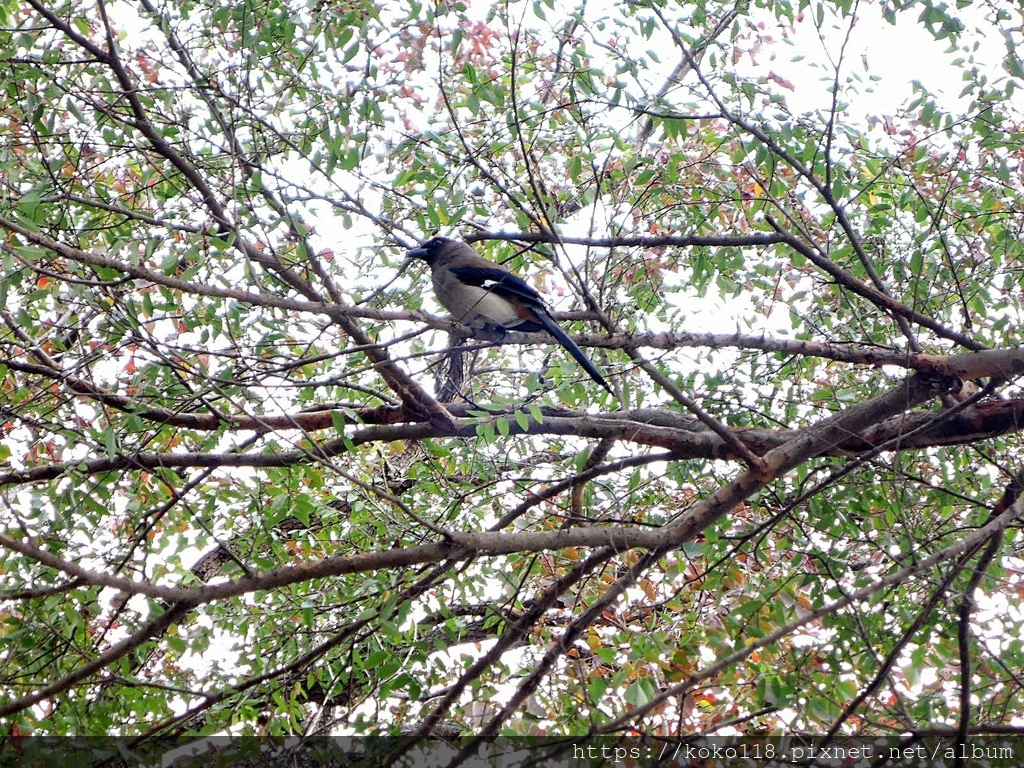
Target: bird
486,296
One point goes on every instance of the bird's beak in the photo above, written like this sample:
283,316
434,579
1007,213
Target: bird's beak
416,253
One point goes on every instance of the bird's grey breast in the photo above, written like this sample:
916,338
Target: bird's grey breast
472,305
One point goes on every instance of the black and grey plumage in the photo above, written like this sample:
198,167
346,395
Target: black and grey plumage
486,296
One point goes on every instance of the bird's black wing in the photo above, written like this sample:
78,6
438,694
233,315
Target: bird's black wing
537,317
501,283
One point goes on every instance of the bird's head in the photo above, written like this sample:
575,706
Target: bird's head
430,249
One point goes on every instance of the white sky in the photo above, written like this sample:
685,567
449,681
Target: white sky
896,54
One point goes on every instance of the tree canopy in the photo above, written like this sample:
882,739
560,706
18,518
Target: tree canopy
254,480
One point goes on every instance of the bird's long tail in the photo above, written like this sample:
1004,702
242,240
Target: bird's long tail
562,338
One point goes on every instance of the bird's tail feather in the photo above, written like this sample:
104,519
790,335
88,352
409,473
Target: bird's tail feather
563,338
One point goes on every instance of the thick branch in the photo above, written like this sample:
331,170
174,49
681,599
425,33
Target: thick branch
818,439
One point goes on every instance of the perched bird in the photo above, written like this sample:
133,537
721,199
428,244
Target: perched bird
486,296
